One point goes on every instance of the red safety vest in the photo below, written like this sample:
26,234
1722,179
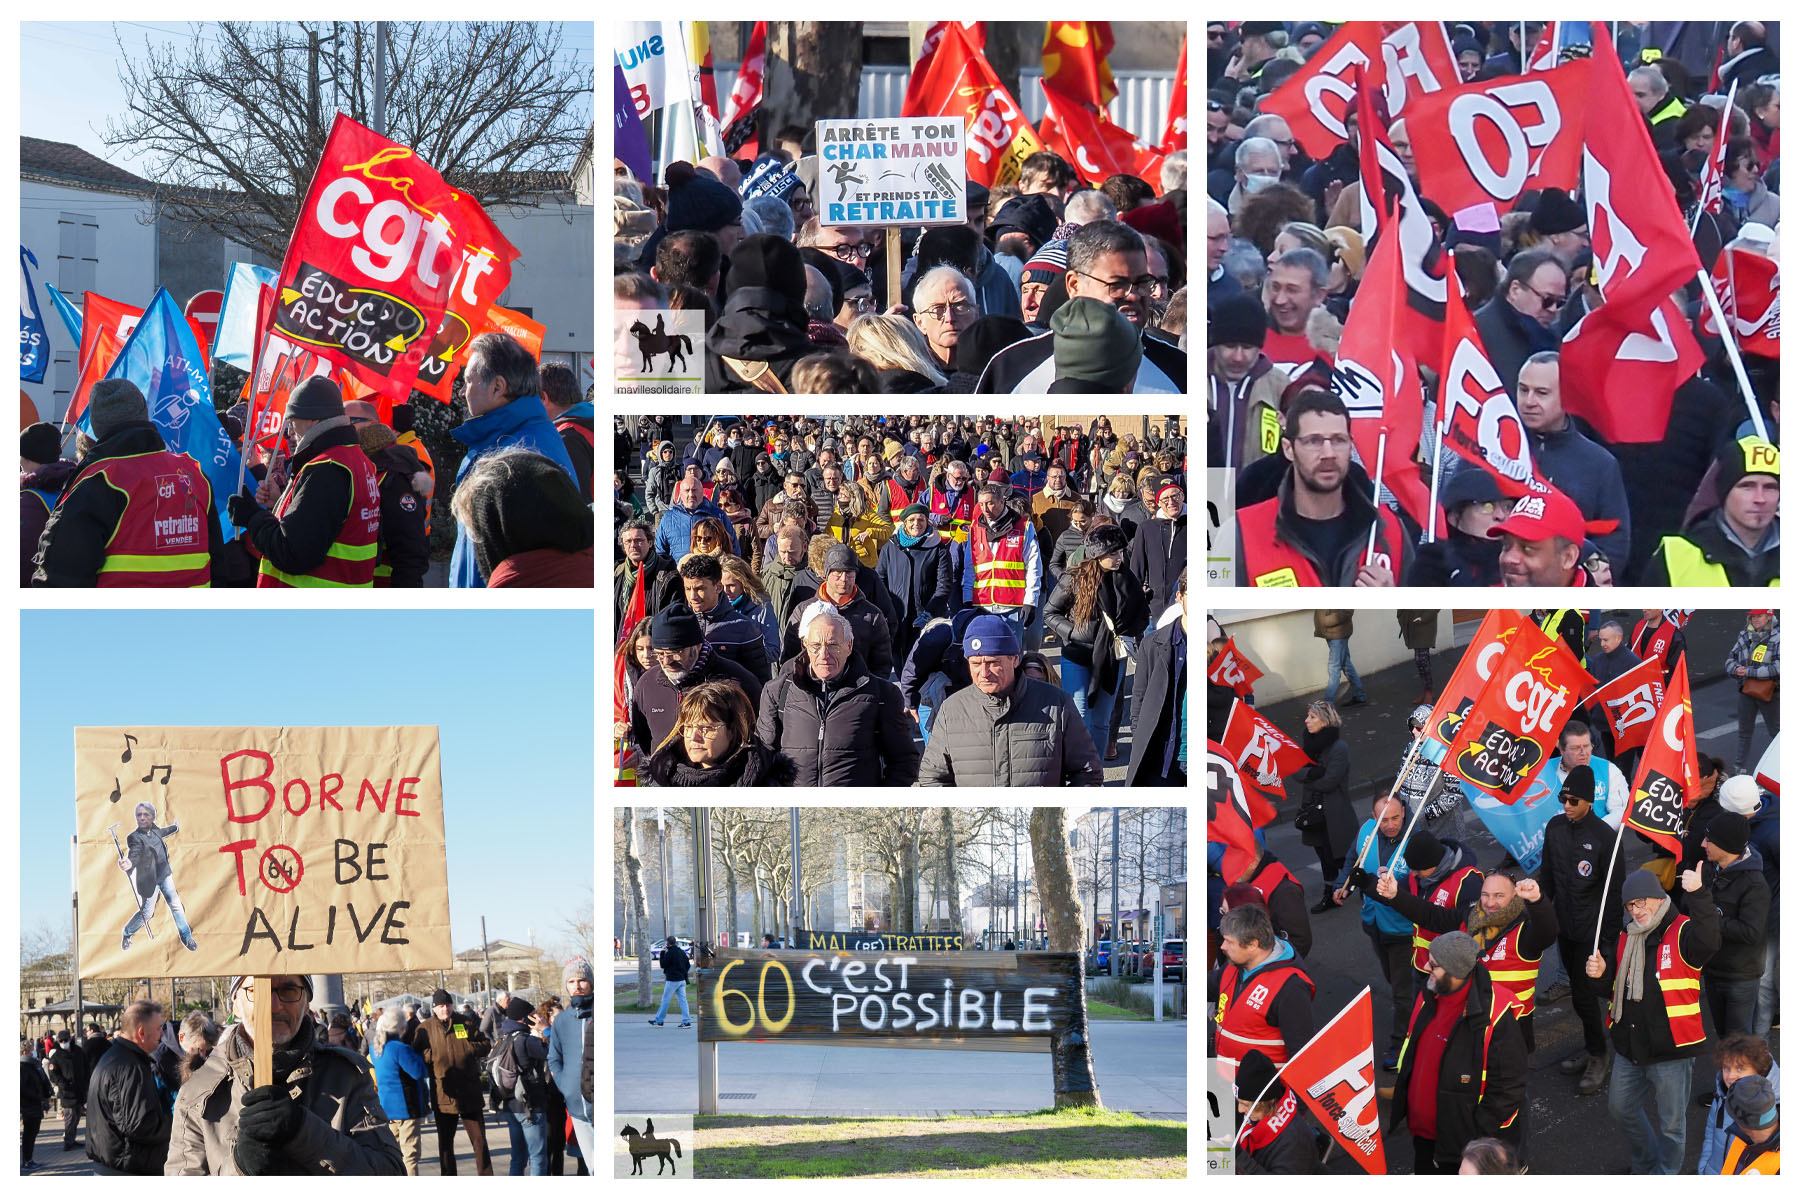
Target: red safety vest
1243,1020
1680,983
1442,896
1269,562
899,500
999,566
953,523
351,559
1513,971
161,539
1658,645
1497,1006
1270,876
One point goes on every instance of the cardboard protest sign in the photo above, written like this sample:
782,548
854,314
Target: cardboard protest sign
257,850
893,171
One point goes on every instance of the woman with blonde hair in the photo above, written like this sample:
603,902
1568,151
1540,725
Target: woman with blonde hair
714,744
745,593
1326,820
860,523
896,349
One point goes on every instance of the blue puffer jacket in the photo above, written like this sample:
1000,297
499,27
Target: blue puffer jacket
566,1034
1378,853
523,422
400,1075
675,531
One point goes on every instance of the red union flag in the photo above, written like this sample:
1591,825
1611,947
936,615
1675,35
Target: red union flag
1479,419
1263,755
960,83
1334,1075
105,324
1228,818
1231,669
1075,61
1712,174
1507,733
1749,287
1668,772
975,31
1088,139
1486,142
1175,126
738,129
1407,59
382,248
1630,703
1622,362
1480,657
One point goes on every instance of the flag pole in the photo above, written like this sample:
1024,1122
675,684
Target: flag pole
1437,470
1728,335
1375,525
1282,1069
1375,826
1606,887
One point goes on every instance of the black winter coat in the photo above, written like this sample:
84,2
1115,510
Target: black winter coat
1576,893
1510,338
738,638
758,324
921,580
1741,895
404,547
92,1051
1158,691
1461,1115
939,648
656,702
1329,776
1293,1152
73,544
662,587
674,963
868,625
298,542
34,1089
859,736
128,1128
69,1071
1091,643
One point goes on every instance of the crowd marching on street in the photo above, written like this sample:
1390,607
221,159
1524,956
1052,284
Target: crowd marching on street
866,601
1632,874
365,1084
1590,388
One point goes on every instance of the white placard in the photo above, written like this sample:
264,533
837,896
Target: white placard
893,171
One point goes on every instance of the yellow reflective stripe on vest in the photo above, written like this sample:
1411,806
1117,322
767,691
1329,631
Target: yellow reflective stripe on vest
353,553
382,571
998,564
1679,985
1688,566
305,581
155,562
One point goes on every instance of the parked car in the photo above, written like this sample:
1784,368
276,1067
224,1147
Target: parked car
1105,954
686,944
1174,958
1132,957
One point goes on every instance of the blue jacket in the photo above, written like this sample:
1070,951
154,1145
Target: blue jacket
675,532
1765,835
764,616
565,1044
523,422
1028,482
400,1075
1377,854
1712,1149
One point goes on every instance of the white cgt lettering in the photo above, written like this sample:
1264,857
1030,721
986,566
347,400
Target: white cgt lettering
1539,704
382,257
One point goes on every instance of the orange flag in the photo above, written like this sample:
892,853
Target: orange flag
961,83
1075,61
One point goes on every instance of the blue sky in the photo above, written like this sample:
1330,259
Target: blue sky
54,55
516,727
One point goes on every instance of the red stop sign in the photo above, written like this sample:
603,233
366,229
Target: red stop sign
203,312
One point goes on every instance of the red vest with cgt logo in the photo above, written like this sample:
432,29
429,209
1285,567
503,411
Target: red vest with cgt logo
350,561
161,539
1680,985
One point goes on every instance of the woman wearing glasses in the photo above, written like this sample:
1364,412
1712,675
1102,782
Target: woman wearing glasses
714,744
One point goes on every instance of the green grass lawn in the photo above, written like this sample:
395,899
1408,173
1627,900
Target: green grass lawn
1100,1010
1070,1144
625,999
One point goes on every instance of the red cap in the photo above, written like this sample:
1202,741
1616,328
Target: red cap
1539,516
1762,612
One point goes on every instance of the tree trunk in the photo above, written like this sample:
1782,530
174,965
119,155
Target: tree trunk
639,907
813,72
731,898
947,824
1072,1057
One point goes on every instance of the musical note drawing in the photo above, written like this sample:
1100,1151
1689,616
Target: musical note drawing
126,757
115,792
154,769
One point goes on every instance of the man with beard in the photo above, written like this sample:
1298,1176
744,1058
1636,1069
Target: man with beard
1463,1028
683,662
1002,568
1315,531
1512,925
1107,262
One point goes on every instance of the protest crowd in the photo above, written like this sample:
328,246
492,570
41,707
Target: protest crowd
866,601
1590,386
1060,277
161,1097
1587,851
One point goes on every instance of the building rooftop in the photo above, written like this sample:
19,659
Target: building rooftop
61,162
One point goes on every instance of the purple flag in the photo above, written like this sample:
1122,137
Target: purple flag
630,144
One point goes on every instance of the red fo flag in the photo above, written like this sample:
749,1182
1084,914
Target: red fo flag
1263,755
1231,669
382,248
1476,413
1334,1075
974,31
1087,138
1749,288
1622,362
1175,126
1480,657
1630,703
961,83
1227,812
1406,59
1075,61
1509,730
1668,772
1543,55
1712,174
739,125
1488,141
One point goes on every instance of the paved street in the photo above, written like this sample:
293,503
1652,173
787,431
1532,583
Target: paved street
1142,1067
1568,1134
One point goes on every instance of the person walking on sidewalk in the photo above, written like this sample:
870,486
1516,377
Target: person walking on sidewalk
1326,820
675,972
1755,662
1335,626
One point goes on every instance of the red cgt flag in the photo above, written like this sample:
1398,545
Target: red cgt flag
1175,126
1088,139
1231,669
959,82
1622,362
1407,59
1508,732
1227,812
1480,657
1749,287
382,248
1487,142
1075,61
1479,419
1334,1075
1264,756
1630,703
974,31
1668,772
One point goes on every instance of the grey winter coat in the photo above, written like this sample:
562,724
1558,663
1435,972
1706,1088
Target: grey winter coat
1030,736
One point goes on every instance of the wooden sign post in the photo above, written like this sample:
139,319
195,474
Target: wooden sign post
262,1032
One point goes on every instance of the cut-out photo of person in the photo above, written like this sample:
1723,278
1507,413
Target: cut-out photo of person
146,861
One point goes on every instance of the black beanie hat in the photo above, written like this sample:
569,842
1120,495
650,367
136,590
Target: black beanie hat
1255,1072
763,260
1580,782
1734,461
1424,851
675,628
318,399
1237,321
40,443
951,246
828,267
1557,213
440,997
698,201
1103,540
1730,832
519,1009
1030,215
984,338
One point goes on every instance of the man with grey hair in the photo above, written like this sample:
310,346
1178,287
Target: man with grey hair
774,215
1259,164
1086,207
1107,262
818,296
1174,172
146,862
944,304
128,1124
501,385
1650,88
1294,287
841,721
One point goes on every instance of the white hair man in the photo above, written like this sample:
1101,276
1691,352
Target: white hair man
843,723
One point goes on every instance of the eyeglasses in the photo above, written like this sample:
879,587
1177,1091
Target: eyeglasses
861,303
1489,507
667,657
287,993
1143,284
1318,441
849,251
710,729
1552,303
943,312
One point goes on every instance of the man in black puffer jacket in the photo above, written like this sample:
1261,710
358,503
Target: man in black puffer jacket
1159,548
128,1127
840,722
675,632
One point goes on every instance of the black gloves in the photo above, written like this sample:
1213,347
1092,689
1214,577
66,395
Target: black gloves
241,507
267,1122
1027,615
